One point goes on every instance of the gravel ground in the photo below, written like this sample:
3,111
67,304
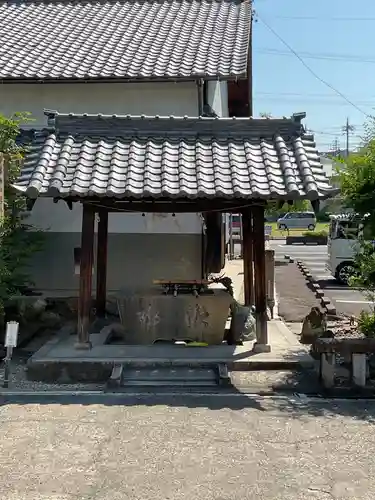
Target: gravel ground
191,448
295,298
19,382
304,381
255,381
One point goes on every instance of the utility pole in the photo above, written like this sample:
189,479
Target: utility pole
347,129
335,148
347,137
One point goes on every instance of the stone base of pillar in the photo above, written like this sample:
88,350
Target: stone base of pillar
83,346
259,348
327,369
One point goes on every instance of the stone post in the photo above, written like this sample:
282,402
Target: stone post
260,291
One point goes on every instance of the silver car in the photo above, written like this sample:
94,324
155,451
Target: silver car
297,220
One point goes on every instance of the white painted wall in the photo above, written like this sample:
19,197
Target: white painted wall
217,96
56,217
162,99
328,167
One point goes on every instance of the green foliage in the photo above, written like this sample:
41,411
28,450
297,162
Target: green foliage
365,264
18,240
322,217
273,207
357,179
322,233
366,324
364,280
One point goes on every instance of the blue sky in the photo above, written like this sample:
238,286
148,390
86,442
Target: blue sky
336,40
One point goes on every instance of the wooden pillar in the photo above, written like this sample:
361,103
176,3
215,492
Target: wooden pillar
247,249
85,277
260,290
101,263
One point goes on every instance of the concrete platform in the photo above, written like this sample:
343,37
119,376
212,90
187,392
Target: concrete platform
58,360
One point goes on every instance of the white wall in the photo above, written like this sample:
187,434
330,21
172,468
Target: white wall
327,166
56,217
162,99
217,96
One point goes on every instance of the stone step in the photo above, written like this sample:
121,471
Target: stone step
129,375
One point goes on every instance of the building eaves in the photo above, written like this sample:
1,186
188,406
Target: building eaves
124,40
173,158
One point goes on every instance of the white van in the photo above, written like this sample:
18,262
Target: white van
297,220
343,245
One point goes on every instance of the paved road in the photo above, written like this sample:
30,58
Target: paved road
346,299
208,449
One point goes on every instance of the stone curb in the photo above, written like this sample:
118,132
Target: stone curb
289,259
95,397
325,302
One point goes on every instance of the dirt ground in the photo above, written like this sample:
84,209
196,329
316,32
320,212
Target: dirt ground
295,298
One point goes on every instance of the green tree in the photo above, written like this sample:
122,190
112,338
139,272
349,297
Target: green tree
364,280
273,207
18,240
357,179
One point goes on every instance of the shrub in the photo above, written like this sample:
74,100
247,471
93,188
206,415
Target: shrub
18,240
366,324
322,233
323,217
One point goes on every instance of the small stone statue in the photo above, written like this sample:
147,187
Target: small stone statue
314,325
242,326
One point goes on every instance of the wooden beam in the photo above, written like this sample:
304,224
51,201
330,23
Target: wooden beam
101,263
169,205
260,276
85,277
247,249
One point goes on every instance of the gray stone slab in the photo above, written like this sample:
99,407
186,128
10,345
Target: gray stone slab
59,357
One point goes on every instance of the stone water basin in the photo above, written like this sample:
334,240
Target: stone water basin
149,316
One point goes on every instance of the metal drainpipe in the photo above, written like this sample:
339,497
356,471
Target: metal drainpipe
203,235
250,65
200,97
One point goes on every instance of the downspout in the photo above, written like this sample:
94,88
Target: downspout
250,64
200,87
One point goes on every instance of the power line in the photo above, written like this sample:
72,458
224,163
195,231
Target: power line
340,126
299,94
325,18
349,58
310,69
318,101
317,132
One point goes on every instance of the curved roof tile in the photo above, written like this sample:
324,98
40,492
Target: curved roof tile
139,157
124,39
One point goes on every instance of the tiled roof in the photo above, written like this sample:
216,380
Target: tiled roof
124,39
139,157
